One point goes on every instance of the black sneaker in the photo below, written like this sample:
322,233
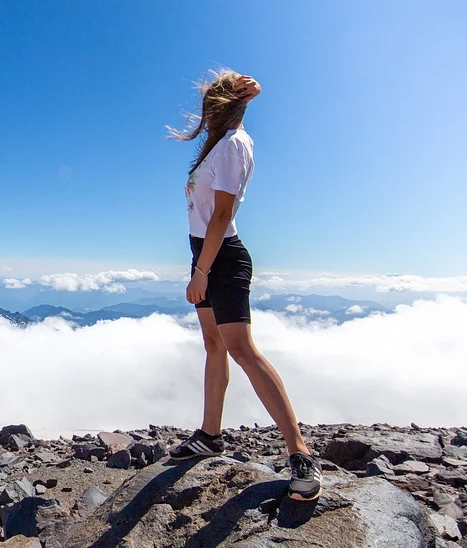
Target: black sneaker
198,445
305,483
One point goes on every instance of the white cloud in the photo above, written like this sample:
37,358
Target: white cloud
294,308
106,281
355,309
264,297
317,312
7,269
380,282
77,278
128,373
13,283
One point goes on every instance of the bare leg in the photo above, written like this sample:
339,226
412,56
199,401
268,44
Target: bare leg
216,373
266,382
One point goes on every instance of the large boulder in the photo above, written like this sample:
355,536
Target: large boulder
22,517
16,491
354,450
90,500
7,431
220,502
116,441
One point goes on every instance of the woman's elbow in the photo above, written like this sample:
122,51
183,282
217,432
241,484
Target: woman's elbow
222,216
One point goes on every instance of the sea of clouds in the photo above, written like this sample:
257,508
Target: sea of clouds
395,368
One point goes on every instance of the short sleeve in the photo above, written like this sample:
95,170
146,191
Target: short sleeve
229,170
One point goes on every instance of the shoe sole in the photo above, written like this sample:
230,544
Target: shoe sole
197,455
298,496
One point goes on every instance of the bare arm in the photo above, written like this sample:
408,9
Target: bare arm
247,88
215,233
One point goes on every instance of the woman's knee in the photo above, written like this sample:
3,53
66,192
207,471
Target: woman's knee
244,354
214,344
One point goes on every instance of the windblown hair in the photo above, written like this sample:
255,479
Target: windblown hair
221,111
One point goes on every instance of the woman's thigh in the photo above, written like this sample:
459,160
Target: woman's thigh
238,341
211,334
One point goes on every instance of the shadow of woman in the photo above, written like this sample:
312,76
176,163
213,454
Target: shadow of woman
270,497
129,505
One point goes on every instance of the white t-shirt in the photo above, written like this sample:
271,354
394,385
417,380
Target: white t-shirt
229,167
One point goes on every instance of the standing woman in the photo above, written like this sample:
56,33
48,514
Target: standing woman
221,273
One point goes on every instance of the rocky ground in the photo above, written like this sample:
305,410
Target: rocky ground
384,486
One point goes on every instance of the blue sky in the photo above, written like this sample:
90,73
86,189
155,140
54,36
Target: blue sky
360,132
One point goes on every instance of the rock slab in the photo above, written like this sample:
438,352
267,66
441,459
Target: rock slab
220,502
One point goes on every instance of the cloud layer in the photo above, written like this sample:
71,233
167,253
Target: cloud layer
397,368
380,282
112,281
107,281
14,283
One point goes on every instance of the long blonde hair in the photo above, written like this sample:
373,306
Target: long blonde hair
221,111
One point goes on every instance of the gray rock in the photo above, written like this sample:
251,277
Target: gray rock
20,541
86,450
115,442
411,467
460,438
158,451
54,525
8,460
457,478
242,456
448,461
393,517
120,459
355,449
441,498
90,500
49,483
141,461
7,431
455,452
138,436
445,526
45,456
18,441
16,491
440,543
452,510
139,449
20,518
379,466
219,502
40,489
65,463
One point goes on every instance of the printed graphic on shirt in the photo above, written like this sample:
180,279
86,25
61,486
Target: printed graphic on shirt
189,189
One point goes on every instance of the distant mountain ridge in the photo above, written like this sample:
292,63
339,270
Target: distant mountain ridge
326,309
15,317
113,312
319,307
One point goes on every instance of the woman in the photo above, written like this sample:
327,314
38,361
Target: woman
221,275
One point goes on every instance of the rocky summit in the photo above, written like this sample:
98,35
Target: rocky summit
383,486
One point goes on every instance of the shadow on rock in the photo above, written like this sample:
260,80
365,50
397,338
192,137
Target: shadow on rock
139,494
270,497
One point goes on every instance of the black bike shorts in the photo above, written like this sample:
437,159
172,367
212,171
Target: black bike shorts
228,291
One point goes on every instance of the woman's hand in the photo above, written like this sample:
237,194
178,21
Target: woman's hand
196,289
247,88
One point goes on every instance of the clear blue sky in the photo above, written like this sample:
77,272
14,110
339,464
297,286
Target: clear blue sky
360,132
